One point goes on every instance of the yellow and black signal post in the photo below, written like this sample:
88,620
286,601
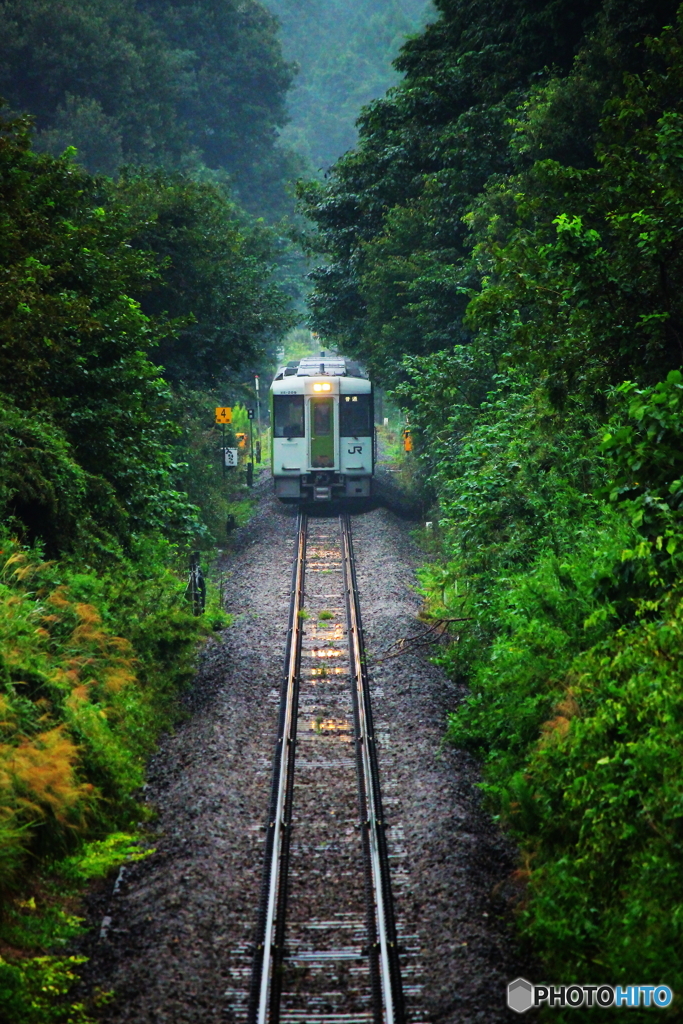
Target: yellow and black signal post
223,416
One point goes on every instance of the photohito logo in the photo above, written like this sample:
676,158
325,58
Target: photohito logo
522,995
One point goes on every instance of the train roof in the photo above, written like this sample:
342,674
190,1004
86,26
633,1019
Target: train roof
322,365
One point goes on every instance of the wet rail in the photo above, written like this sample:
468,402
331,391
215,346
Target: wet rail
326,949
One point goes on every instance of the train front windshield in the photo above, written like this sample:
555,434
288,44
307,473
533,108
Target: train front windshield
355,416
288,415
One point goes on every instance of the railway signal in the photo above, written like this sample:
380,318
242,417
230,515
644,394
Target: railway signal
223,416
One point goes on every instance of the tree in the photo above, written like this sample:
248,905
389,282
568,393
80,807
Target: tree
390,217
76,61
214,276
73,346
335,81
585,288
185,86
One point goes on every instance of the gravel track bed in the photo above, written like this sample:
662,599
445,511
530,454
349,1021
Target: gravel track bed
177,946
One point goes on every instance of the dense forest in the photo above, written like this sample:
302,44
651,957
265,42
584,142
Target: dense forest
194,87
503,248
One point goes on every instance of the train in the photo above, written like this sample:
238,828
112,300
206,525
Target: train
323,430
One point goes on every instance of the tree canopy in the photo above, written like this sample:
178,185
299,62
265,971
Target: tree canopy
487,89
181,86
99,280
503,248
343,52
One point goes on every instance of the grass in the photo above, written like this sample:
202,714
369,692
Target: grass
92,663
36,928
91,666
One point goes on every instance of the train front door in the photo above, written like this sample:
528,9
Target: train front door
322,433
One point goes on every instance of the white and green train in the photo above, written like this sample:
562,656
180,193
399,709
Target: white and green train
322,430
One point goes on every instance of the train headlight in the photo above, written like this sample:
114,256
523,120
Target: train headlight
322,387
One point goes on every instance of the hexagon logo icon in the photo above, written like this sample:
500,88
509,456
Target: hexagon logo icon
520,995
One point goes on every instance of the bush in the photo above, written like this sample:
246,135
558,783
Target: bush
568,616
542,618
90,669
606,844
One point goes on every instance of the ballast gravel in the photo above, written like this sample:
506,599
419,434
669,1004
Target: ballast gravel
173,942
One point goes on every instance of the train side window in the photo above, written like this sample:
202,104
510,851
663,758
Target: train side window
288,415
355,416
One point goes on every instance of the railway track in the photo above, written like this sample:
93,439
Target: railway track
327,949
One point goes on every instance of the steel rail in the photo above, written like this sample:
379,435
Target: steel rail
383,929
266,978
267,970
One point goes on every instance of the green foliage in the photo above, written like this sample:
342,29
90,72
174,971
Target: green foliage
582,288
521,631
648,459
42,487
97,858
214,276
299,343
27,925
32,991
240,419
97,451
72,355
79,62
91,666
390,216
188,86
605,784
504,247
572,661
91,456
199,452
34,985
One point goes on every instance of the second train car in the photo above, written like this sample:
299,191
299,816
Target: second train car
322,430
